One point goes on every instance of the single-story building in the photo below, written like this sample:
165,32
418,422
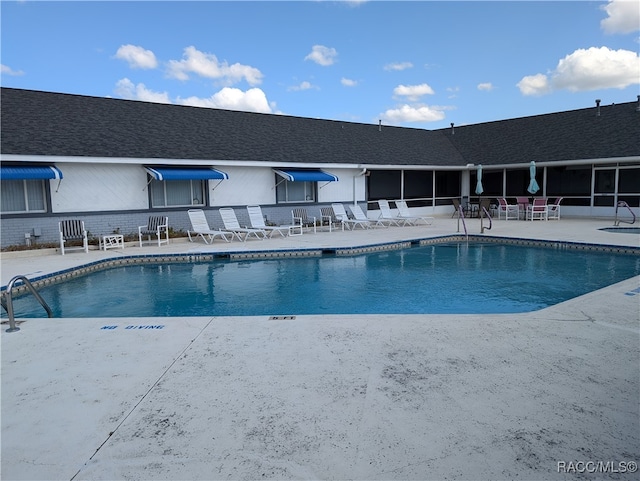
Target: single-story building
114,162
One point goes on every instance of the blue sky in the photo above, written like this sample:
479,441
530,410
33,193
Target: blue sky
413,64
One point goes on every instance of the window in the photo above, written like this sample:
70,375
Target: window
569,181
629,182
23,196
418,184
291,191
447,186
177,193
384,184
518,182
572,182
491,183
604,187
605,181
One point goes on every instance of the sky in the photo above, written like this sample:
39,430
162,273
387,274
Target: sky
418,64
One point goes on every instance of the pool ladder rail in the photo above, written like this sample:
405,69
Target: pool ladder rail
482,226
7,301
488,216
464,224
617,221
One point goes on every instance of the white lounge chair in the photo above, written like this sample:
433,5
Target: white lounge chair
403,211
341,215
156,226
73,230
359,215
200,227
232,225
257,222
387,216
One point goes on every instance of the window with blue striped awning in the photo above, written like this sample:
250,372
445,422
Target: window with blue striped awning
308,175
29,172
186,173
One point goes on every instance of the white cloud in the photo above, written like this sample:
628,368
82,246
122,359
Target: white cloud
126,89
347,82
412,113
302,86
486,86
398,66
413,92
585,70
137,57
534,85
253,100
207,65
5,70
322,55
623,16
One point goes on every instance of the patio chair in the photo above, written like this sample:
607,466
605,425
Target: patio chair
257,222
484,208
200,227
553,210
341,214
403,211
232,226
156,226
387,216
328,218
359,215
73,230
523,203
456,208
538,209
302,219
510,211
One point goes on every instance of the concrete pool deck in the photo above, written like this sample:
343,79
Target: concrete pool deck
542,395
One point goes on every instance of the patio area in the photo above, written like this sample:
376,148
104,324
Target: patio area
328,397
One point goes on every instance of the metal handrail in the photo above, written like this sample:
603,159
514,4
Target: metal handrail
617,221
8,301
482,227
464,224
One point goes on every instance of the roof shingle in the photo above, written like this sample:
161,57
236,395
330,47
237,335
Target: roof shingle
55,124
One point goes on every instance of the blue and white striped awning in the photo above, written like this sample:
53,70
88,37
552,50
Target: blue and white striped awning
29,172
306,175
186,173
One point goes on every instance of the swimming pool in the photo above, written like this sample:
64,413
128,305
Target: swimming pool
442,278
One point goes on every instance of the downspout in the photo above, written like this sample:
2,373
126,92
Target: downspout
360,174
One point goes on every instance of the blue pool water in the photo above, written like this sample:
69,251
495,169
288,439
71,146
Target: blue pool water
450,278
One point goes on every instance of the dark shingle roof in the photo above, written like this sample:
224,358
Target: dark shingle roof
54,124
571,135
39,123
